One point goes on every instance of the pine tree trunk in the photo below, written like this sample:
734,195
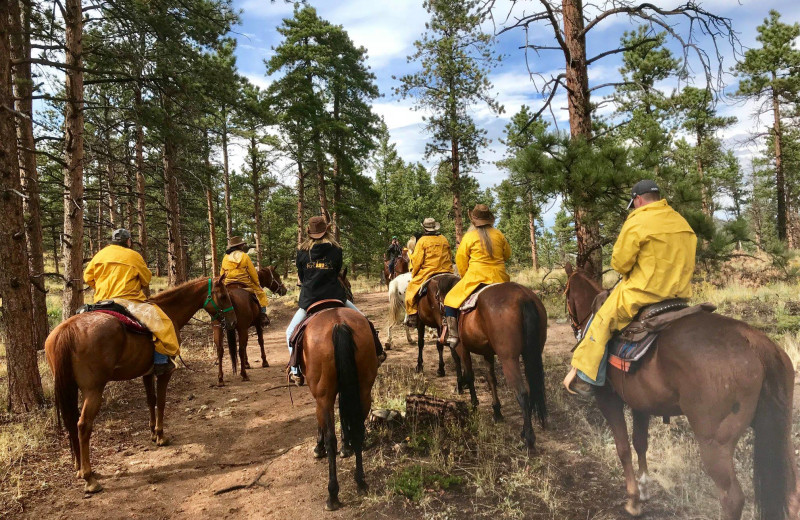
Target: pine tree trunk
706,207
337,196
24,384
226,171
72,239
21,50
176,264
212,232
141,206
301,193
780,180
587,230
456,173
321,189
256,197
99,235
532,229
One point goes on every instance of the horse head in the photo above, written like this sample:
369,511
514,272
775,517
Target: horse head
220,299
268,277
580,293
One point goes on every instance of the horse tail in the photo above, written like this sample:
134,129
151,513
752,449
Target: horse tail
59,347
532,358
397,308
350,411
774,474
231,334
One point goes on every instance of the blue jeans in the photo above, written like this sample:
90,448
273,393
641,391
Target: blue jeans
601,372
299,316
160,359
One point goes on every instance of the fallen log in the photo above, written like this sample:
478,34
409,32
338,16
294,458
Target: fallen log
428,409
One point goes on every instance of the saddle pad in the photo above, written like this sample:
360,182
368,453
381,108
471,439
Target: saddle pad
472,300
296,340
119,312
624,354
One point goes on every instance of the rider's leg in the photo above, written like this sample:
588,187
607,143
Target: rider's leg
299,316
378,346
451,317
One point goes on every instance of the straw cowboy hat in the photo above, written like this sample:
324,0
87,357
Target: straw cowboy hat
235,242
317,227
481,215
430,224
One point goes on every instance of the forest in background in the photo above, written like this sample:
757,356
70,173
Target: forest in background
127,113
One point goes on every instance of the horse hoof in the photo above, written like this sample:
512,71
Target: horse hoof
644,488
440,372
245,377
635,510
247,365
78,474
153,437
363,488
346,453
162,441
418,370
265,364
332,505
320,453
498,418
92,486
221,383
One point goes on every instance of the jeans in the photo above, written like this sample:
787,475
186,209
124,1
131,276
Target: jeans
299,316
159,358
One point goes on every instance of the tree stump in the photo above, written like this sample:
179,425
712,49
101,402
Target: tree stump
427,409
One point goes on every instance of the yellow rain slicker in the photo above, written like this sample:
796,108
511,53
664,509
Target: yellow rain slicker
476,266
120,274
431,256
655,254
238,268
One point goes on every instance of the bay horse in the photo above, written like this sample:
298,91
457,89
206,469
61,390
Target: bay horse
338,357
248,314
401,265
430,313
88,350
509,321
724,376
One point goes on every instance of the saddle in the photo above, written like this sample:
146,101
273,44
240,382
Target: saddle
240,285
423,289
116,310
296,340
472,300
629,345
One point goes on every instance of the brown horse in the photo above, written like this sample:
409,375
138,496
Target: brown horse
430,314
401,265
338,357
724,376
248,314
509,321
88,350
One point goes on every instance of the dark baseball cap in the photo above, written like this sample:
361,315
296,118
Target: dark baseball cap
642,187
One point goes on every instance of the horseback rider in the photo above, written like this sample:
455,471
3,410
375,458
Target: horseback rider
239,269
431,255
319,262
394,252
119,273
481,259
655,254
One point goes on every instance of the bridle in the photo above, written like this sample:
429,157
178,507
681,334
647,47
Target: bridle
219,315
275,283
575,322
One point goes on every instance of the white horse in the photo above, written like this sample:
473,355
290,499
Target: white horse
397,307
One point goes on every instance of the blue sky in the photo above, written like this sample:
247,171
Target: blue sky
388,28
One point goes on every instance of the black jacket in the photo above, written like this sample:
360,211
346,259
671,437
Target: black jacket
318,270
394,251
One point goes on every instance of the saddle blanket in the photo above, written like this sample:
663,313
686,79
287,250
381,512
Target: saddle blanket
118,311
630,345
296,340
472,300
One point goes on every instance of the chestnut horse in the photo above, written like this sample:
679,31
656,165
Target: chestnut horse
88,350
248,314
338,357
508,321
430,314
724,376
401,265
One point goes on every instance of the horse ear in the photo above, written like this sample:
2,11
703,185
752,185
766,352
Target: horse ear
568,268
222,278
344,273
274,268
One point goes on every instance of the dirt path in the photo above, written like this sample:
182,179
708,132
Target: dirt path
226,436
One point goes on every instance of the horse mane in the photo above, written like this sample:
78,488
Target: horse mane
167,294
587,278
446,282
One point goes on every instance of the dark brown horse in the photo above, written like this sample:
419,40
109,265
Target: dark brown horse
401,265
248,314
88,350
338,357
429,314
724,376
509,321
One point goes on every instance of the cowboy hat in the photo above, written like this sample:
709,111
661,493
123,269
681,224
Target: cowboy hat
317,227
235,242
430,224
481,215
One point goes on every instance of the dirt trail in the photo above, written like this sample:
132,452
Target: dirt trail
226,436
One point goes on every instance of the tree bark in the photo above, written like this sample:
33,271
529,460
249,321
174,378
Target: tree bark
706,207
532,229
780,180
455,166
301,193
141,206
21,51
337,170
72,239
228,217
587,230
176,265
212,232
24,383
254,172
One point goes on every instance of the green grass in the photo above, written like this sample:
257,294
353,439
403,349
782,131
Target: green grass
413,481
